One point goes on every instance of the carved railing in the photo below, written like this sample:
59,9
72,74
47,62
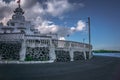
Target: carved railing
70,44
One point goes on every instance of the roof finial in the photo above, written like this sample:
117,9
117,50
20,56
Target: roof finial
18,3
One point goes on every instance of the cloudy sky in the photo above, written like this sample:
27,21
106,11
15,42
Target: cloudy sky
69,17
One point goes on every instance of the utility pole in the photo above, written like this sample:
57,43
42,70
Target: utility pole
89,30
89,35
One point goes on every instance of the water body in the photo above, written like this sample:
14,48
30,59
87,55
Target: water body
107,54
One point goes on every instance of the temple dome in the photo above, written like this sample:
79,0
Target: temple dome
19,9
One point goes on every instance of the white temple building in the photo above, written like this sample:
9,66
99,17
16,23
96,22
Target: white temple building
20,41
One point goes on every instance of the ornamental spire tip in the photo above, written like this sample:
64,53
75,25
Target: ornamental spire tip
18,2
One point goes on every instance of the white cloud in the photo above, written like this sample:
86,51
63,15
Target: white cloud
6,10
62,38
80,25
80,5
48,27
5,19
57,7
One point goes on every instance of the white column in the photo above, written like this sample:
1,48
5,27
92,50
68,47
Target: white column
52,54
84,52
23,50
90,54
71,55
84,55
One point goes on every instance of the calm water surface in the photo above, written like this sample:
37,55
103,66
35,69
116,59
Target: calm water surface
107,54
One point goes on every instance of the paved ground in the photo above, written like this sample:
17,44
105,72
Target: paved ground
98,68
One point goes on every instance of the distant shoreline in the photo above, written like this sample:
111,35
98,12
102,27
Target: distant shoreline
105,51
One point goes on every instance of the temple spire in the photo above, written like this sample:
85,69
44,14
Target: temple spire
18,13
18,2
